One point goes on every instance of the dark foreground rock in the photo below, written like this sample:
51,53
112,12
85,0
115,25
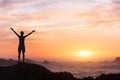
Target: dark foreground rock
25,71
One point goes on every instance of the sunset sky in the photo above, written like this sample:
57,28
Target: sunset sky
64,29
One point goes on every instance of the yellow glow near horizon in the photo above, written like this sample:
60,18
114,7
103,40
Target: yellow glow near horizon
84,53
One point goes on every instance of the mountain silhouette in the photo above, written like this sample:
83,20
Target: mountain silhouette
117,60
8,62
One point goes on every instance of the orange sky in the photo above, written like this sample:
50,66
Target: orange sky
63,28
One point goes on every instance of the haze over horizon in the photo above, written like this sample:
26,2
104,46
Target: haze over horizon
70,30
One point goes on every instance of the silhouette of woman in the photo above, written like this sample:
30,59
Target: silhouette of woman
21,47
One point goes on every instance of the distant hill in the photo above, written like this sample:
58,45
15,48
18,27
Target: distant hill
5,62
117,60
8,62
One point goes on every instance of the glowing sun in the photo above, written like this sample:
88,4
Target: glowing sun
84,53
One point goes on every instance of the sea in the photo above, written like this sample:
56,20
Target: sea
83,69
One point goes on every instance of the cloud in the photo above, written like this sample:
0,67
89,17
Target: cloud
58,15
107,14
7,5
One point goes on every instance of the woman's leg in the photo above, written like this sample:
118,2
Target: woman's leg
19,52
23,53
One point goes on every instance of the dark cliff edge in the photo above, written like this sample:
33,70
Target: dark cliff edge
28,71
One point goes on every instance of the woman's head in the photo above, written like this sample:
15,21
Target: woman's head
22,33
